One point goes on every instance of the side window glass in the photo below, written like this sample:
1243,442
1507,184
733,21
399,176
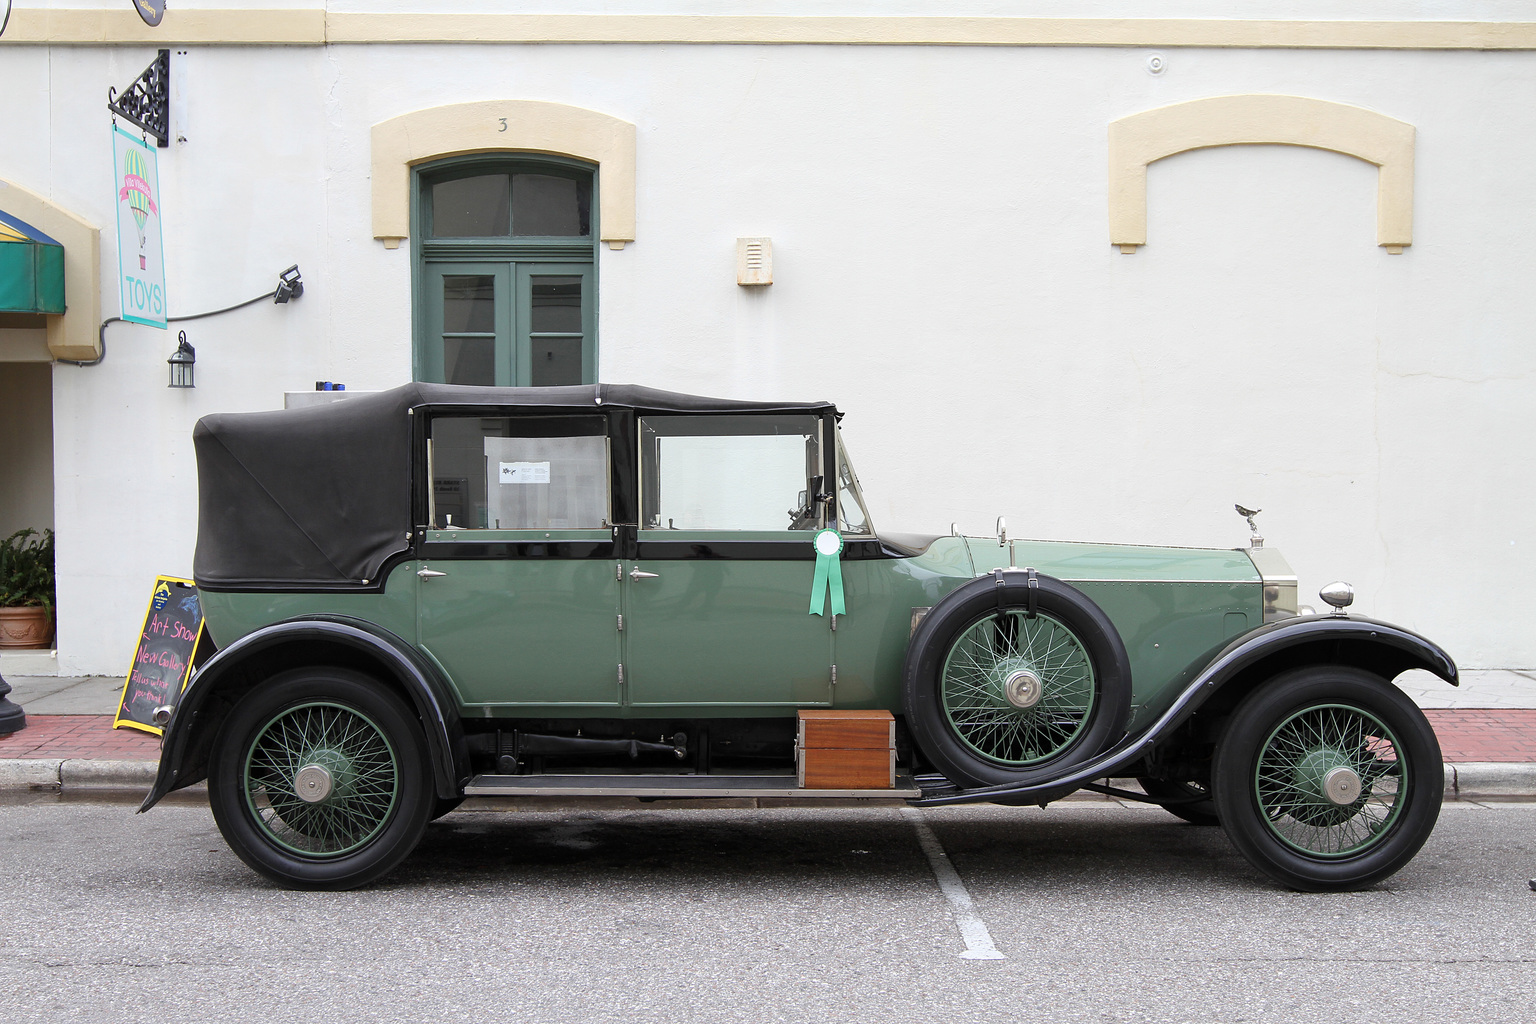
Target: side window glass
850,500
518,473
752,472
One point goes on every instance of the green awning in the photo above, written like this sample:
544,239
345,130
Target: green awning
31,269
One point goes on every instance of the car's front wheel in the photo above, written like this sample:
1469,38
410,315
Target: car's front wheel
1328,778
319,779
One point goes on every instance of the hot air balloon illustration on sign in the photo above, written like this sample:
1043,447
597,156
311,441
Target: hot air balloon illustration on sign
140,259
136,191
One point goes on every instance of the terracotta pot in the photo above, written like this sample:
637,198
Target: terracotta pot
30,627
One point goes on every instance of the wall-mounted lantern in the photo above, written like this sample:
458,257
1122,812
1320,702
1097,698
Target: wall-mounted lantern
182,361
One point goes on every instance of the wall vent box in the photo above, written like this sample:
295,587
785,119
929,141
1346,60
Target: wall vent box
846,750
754,261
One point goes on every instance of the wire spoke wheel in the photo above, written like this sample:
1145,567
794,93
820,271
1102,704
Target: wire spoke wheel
321,779
1017,690
1330,780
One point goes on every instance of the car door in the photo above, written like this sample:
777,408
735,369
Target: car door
519,596
717,598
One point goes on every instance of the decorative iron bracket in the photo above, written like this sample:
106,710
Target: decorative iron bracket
147,102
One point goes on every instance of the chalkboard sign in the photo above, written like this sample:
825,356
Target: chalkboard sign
166,653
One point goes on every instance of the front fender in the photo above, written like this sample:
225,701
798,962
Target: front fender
1316,639
210,693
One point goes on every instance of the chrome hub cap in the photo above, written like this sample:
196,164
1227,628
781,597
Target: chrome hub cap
1023,688
1342,786
312,784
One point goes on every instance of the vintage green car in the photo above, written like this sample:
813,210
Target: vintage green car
437,592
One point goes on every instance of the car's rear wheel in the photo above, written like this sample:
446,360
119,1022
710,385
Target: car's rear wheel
1328,778
319,780
1011,683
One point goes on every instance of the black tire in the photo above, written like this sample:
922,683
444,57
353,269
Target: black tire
957,709
1274,764
441,807
1188,800
373,768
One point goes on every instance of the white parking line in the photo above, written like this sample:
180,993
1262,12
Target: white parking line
978,941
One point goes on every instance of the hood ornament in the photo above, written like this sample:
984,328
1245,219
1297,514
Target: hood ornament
1257,540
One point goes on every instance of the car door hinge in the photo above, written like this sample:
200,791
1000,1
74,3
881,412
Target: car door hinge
621,675
621,623
834,675
834,623
618,571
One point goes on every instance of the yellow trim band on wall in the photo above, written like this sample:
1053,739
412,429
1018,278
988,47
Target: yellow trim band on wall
179,27
504,126
73,334
316,27
1144,138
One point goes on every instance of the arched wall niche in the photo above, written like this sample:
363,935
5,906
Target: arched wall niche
503,126
1142,139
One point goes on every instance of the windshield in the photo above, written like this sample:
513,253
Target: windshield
850,501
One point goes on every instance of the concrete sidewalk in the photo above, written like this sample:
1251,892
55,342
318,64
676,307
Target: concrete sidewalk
1486,727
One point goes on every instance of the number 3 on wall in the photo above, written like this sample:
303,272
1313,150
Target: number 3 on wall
503,124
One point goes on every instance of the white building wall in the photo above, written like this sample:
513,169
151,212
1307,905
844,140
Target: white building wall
942,271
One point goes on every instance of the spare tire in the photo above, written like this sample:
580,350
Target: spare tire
1015,677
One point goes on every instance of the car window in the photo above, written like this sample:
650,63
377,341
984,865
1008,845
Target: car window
850,500
730,472
518,473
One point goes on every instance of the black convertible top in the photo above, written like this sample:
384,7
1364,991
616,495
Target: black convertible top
321,495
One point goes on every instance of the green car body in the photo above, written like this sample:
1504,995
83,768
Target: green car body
763,653
626,606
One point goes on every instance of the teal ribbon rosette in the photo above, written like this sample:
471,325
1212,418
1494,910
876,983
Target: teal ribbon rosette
829,572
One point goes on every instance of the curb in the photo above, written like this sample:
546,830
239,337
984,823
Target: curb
1490,780
76,773
1473,780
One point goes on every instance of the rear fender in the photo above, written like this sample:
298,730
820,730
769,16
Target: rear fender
335,641
1231,674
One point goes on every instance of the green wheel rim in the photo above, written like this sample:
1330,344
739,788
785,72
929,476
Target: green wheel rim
1294,761
360,765
973,687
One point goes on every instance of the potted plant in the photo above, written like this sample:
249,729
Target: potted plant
26,589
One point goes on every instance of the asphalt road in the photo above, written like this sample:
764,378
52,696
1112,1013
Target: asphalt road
1104,913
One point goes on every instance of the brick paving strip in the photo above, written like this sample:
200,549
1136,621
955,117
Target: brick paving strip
1505,735
85,736
1485,734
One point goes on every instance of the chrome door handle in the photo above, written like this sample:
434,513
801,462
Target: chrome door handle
429,574
636,574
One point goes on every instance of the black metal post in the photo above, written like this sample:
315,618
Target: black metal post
12,718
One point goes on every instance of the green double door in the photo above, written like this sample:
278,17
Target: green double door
695,632
508,324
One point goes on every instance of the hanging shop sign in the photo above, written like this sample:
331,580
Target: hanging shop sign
150,10
140,253
167,651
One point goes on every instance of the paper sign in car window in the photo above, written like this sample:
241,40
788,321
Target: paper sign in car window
525,472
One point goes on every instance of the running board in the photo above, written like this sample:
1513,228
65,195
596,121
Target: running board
678,787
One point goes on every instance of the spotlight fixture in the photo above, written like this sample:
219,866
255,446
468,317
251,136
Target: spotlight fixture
289,285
